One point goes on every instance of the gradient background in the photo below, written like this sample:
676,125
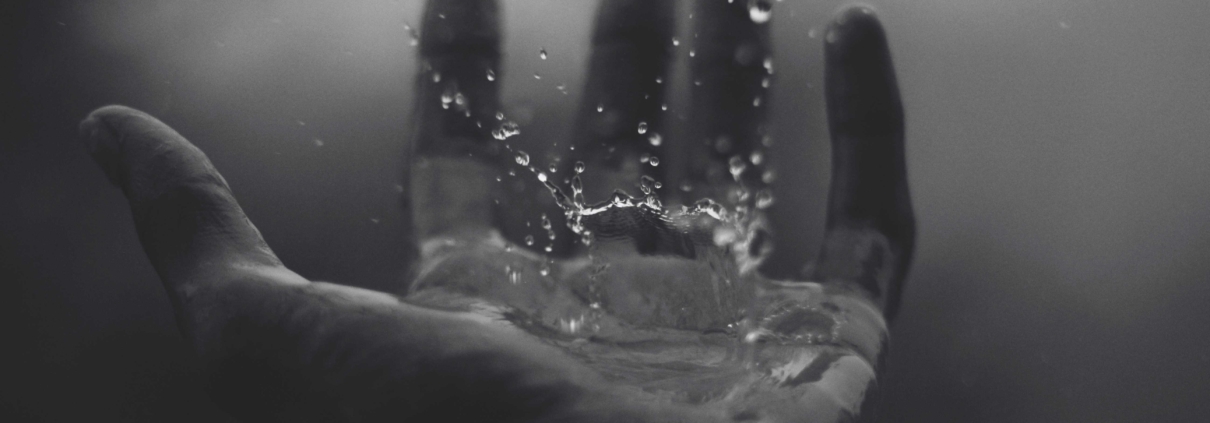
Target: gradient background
1058,154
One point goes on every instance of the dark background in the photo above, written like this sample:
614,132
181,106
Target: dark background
1057,153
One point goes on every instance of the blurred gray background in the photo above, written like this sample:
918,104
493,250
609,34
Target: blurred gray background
1058,154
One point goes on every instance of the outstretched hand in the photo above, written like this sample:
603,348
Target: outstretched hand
280,347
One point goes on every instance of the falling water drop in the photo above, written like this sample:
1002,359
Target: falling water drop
654,161
675,41
529,240
764,199
642,127
737,166
600,108
646,184
522,158
655,139
760,11
579,167
542,53
499,115
491,75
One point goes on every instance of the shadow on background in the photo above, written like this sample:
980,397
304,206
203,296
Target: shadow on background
1057,156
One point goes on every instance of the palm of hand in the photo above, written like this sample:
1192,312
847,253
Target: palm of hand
279,347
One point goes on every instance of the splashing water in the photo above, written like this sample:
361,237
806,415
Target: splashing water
667,300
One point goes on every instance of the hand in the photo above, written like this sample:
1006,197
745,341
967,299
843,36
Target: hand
280,347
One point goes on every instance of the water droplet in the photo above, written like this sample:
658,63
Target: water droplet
642,127
655,139
491,75
760,11
737,166
764,82
756,102
811,33
658,185
644,158
545,270
499,115
692,52
722,144
436,76
522,158
659,80
506,129
697,82
756,157
675,41
562,88
769,176
768,65
318,142
553,168
654,161
646,184
542,53
664,107
542,176
764,199
537,75
579,168
600,108
529,240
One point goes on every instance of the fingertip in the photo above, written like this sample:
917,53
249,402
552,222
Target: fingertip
853,25
100,137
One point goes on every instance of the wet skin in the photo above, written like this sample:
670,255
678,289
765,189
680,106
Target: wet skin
278,347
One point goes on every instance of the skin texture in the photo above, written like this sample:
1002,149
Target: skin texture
278,347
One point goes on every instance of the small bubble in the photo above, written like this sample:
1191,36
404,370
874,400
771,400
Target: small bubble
654,161
760,11
664,107
655,139
491,75
579,167
542,53
529,240
642,127
553,168
522,158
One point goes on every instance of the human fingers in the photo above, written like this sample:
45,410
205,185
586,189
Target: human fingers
453,159
620,112
192,229
870,224
730,72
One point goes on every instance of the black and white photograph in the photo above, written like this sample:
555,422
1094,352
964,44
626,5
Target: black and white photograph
632,211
